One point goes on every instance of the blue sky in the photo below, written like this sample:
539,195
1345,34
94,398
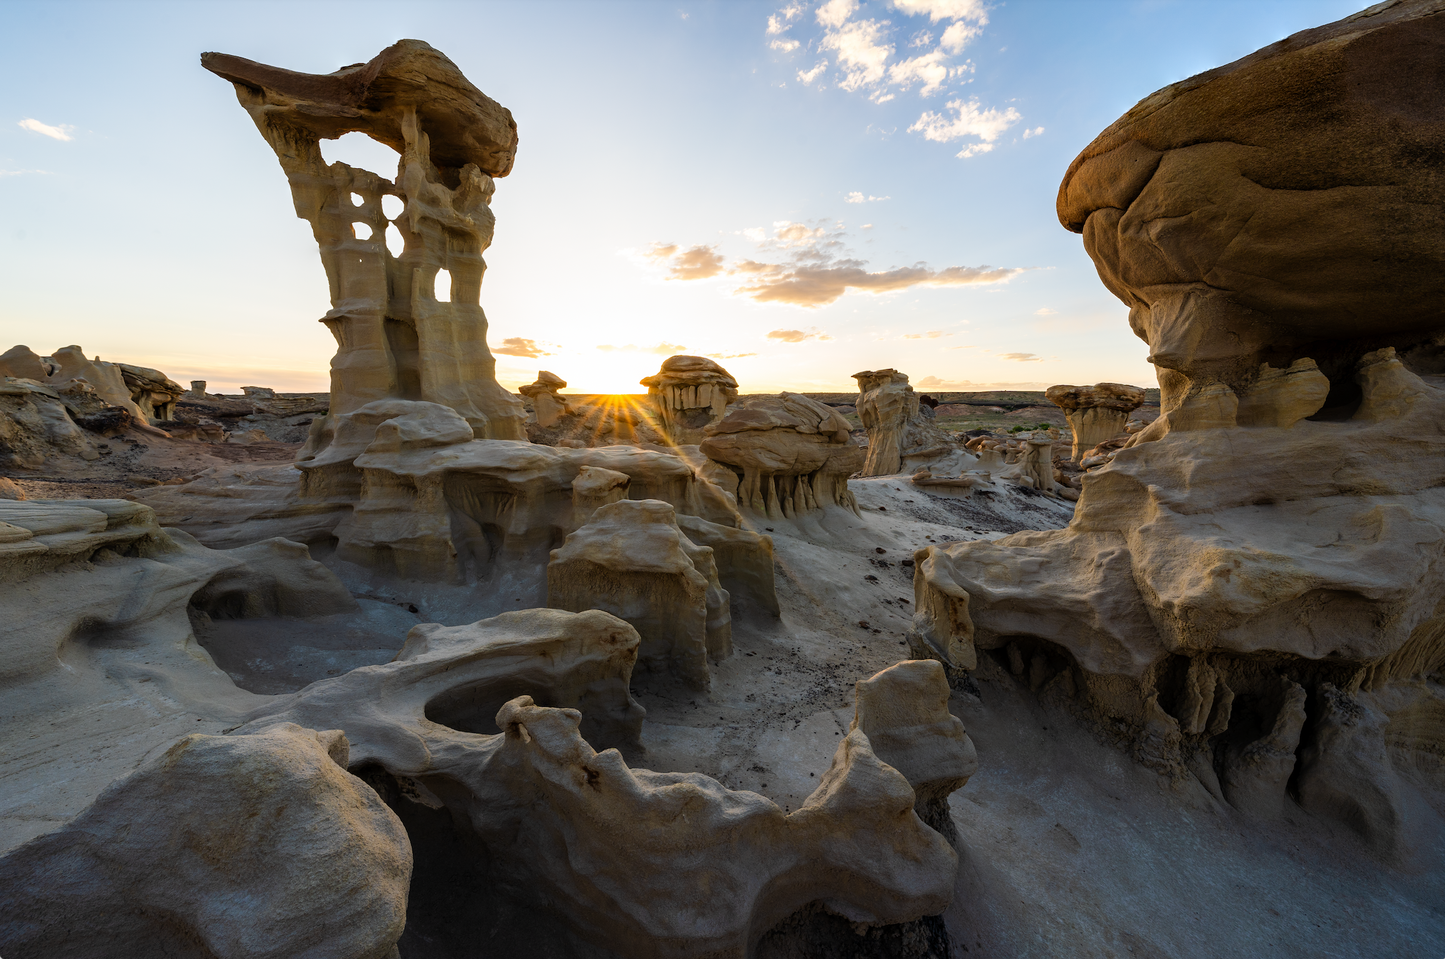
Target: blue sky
687,181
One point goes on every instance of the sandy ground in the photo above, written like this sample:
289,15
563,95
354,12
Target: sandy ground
1068,847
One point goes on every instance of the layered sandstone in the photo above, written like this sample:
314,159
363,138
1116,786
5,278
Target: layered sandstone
1096,413
689,394
396,339
784,456
1275,541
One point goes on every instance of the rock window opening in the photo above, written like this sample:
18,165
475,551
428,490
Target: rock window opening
443,287
362,231
358,200
359,151
394,243
391,206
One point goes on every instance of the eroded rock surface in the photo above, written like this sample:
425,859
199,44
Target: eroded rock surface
1096,413
689,394
1267,556
788,456
258,845
396,340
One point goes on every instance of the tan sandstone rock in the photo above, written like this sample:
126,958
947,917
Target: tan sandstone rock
792,455
899,435
257,845
396,340
689,394
632,560
547,406
1268,555
1096,413
1242,214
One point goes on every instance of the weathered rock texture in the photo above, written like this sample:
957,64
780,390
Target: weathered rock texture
899,435
689,394
1275,542
787,455
1096,413
644,863
547,406
222,846
1281,206
396,341
633,561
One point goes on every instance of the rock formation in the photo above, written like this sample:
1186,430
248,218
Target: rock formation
899,435
547,406
1278,207
1282,522
247,845
396,340
645,863
787,456
1096,413
689,394
153,393
632,560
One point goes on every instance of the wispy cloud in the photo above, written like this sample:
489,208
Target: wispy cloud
811,266
1035,132
969,386
25,172
857,197
1045,311
1021,357
520,346
61,132
798,336
728,356
930,335
694,263
968,121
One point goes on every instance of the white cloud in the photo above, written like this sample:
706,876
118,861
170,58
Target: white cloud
835,12
809,76
862,51
785,44
61,132
1045,311
1021,357
24,172
944,9
930,68
930,335
1035,132
754,233
857,197
969,121
956,37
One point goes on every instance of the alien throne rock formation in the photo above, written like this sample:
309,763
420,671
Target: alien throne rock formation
1253,585
395,339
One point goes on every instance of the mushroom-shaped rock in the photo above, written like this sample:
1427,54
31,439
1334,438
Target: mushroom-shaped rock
153,393
689,394
633,561
397,339
793,453
1279,200
546,404
1096,413
900,435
